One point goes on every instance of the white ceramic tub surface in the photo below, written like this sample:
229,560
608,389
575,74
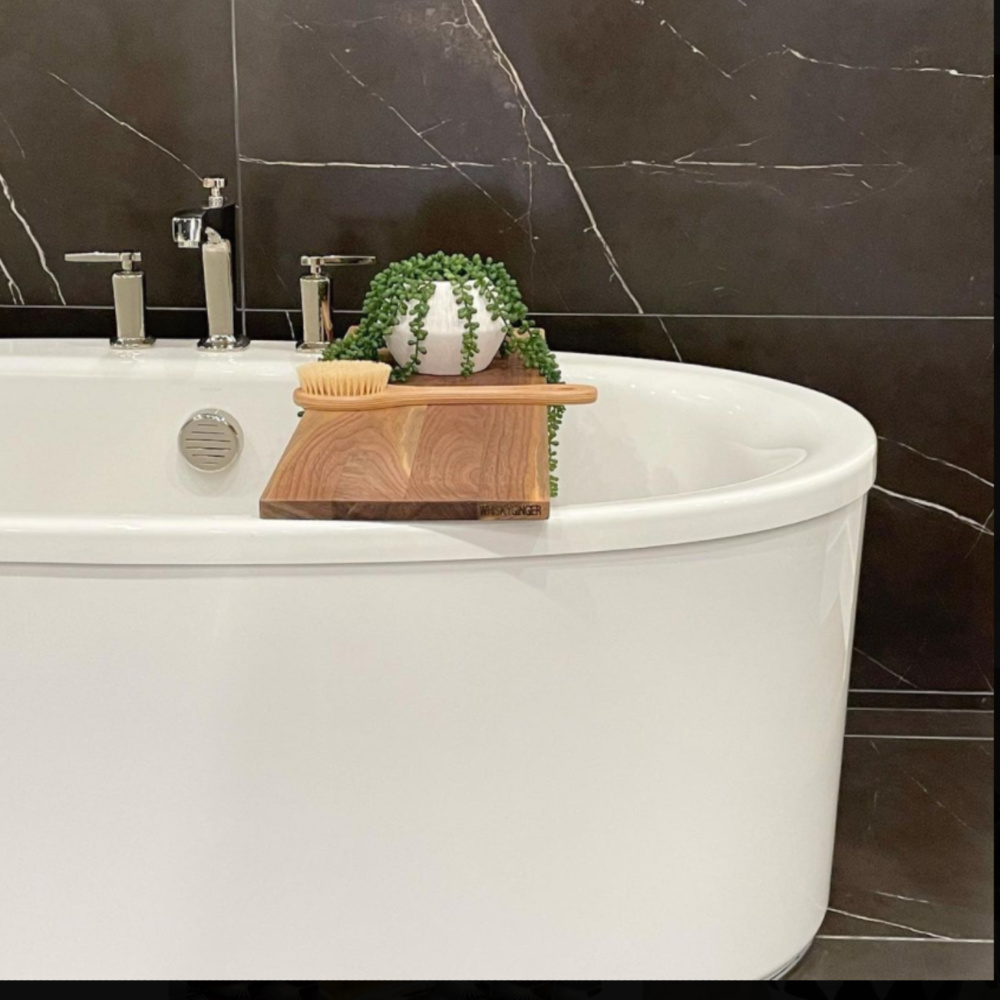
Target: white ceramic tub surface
605,746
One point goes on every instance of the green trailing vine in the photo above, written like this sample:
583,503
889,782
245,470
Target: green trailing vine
405,288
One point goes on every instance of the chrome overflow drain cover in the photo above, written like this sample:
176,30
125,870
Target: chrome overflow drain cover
210,440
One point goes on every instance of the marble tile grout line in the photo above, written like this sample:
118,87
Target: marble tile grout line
576,315
919,940
889,736
908,692
240,227
889,708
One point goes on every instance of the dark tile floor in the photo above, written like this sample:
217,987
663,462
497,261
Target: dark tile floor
913,870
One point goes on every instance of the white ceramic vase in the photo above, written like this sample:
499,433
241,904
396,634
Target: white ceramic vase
445,329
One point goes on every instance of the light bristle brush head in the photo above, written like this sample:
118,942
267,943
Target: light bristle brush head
344,378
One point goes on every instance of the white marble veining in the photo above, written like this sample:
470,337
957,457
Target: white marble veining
126,125
941,508
29,232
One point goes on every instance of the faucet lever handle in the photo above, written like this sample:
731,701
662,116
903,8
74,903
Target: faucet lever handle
124,257
129,287
214,186
316,290
317,263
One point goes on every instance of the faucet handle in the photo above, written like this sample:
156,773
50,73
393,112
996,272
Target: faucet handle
214,186
124,257
318,263
129,287
316,291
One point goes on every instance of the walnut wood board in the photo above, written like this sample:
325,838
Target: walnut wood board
414,463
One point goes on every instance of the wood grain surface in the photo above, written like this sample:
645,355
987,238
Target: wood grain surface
470,462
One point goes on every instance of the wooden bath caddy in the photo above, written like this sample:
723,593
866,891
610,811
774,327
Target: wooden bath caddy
434,449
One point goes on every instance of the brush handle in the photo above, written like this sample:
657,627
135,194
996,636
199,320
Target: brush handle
559,394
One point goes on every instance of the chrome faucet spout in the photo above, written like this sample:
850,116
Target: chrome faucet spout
212,229
187,229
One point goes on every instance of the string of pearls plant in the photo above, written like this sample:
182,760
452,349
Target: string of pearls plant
404,290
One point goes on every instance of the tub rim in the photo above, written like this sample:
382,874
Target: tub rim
839,469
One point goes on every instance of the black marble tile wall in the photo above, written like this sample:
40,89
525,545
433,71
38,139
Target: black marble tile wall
110,113
802,190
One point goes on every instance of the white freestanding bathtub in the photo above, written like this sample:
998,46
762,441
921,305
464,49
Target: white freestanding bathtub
605,746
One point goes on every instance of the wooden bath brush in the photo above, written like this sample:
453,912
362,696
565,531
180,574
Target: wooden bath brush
339,386
436,448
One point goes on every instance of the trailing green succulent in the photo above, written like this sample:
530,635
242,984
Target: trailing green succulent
405,288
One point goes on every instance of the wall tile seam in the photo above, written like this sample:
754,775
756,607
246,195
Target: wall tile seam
819,317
